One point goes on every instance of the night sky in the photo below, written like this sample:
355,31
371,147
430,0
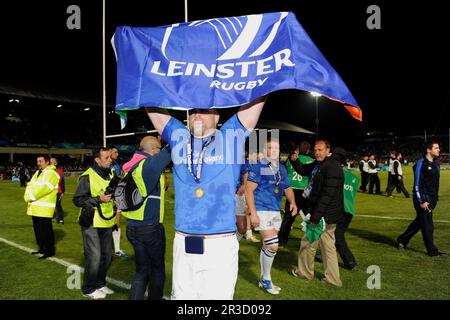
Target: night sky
399,75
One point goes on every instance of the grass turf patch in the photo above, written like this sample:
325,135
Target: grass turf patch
406,274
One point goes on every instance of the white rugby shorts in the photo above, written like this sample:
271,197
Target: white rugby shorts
208,276
269,220
241,205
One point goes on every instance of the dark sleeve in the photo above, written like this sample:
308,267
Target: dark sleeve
396,167
332,180
372,166
361,166
418,182
63,184
82,197
153,168
303,169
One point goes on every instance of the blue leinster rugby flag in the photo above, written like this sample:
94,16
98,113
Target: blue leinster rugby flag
221,63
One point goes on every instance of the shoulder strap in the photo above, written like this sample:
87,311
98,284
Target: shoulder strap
136,165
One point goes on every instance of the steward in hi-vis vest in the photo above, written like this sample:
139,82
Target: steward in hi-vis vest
102,217
40,194
145,230
97,217
41,191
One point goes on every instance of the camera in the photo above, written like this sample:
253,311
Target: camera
112,185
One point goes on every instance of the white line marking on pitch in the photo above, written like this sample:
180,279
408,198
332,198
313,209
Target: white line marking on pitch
395,218
66,264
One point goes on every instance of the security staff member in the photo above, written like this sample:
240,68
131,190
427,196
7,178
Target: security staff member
396,177
145,230
364,169
298,184
40,194
96,218
374,180
425,198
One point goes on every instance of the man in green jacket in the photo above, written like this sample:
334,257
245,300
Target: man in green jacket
298,184
351,182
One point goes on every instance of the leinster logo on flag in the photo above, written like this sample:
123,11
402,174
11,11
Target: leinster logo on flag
220,62
241,63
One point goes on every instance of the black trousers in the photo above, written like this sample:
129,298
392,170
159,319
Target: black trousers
424,223
395,182
288,219
389,181
43,231
341,244
374,180
364,181
59,212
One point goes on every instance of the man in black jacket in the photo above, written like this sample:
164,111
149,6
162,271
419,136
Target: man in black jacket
325,200
425,198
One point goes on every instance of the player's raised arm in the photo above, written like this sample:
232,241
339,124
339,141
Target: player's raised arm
249,113
159,118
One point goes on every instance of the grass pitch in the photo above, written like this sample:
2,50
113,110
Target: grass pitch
406,274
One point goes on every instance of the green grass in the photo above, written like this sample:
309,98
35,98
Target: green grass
404,275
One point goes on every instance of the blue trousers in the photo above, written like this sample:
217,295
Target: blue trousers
149,244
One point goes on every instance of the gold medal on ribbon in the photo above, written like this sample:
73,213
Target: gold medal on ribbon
199,192
276,190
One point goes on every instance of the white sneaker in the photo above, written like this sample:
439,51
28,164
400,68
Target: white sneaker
106,290
252,239
120,253
275,287
268,286
97,294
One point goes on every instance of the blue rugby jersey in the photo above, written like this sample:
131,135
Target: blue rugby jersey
213,212
266,197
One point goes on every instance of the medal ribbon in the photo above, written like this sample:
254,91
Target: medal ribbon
277,179
190,160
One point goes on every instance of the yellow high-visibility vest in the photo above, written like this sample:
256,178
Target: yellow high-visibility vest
41,193
98,186
139,213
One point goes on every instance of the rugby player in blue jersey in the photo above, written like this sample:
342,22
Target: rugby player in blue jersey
264,190
207,165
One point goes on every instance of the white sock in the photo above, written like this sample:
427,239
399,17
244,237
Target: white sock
248,234
266,258
239,236
116,240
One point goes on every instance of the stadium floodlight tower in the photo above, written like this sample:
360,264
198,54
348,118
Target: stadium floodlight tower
316,95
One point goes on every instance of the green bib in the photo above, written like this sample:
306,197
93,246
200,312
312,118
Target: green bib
296,180
351,182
